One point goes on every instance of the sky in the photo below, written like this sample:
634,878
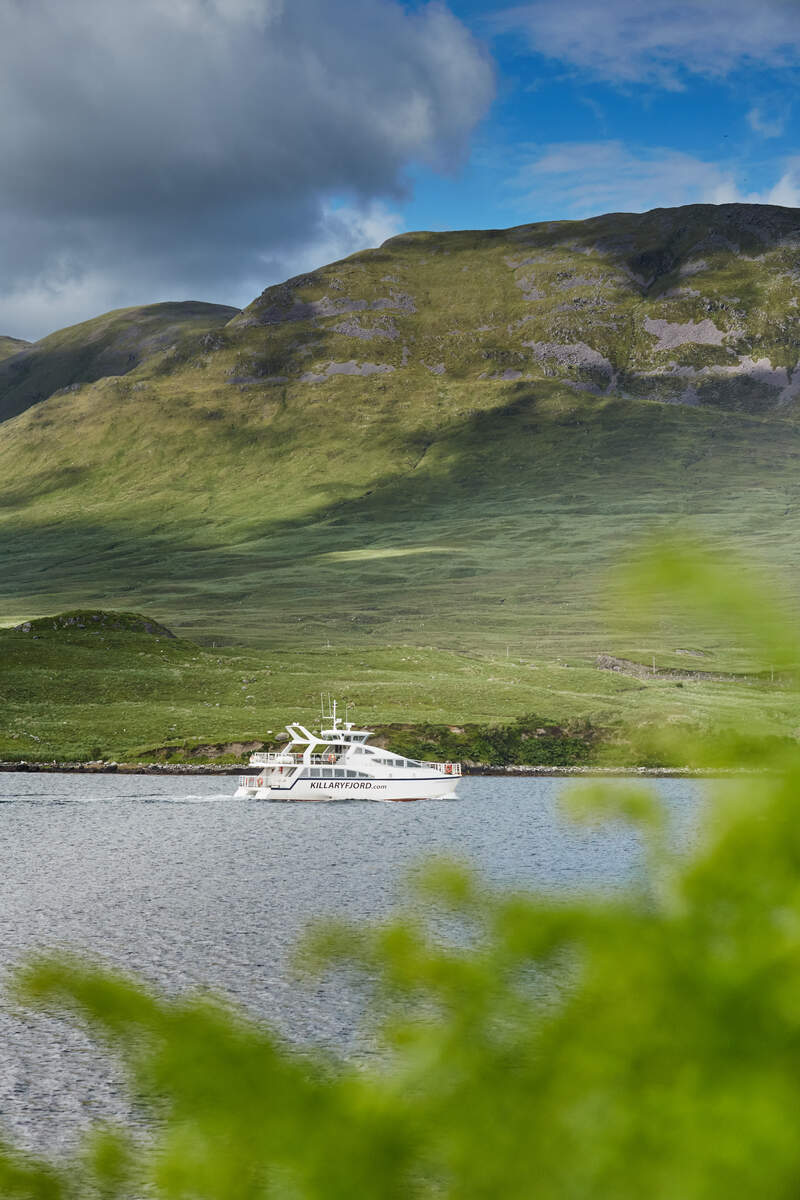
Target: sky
205,149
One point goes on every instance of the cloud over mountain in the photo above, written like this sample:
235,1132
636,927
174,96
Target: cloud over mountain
171,147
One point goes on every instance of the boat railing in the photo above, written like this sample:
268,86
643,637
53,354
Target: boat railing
443,768
286,759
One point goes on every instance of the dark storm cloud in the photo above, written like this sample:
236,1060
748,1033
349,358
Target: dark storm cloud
193,146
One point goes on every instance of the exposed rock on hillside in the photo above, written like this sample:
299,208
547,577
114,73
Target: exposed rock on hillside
637,670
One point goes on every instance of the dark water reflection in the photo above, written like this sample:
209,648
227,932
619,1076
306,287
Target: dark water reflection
173,879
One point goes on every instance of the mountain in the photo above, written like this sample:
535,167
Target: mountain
696,305
11,345
449,441
113,344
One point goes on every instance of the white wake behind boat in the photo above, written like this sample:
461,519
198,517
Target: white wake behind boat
337,764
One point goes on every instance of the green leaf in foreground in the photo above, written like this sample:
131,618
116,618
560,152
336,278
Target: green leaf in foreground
645,1046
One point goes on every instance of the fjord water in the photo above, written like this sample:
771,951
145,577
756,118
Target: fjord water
171,878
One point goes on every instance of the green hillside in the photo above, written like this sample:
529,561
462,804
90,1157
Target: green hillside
120,686
113,344
446,443
11,345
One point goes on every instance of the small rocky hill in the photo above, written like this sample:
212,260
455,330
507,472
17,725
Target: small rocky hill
112,344
95,620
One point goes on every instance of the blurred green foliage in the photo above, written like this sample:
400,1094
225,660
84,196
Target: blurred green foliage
645,1045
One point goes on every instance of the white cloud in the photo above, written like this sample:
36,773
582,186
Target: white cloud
586,179
768,126
191,147
786,191
345,229
658,40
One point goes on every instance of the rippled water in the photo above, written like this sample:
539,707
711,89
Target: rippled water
172,878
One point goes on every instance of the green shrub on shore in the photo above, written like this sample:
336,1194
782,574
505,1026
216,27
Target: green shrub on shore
528,741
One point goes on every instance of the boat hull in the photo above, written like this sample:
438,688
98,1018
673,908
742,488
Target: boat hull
322,790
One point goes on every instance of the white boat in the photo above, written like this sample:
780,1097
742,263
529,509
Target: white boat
337,764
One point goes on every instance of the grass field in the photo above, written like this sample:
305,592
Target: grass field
78,694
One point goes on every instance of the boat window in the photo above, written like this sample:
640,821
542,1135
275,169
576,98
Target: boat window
340,774
327,773
410,762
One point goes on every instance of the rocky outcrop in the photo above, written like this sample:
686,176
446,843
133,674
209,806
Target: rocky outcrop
346,368
637,670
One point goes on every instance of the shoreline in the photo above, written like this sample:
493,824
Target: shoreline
512,772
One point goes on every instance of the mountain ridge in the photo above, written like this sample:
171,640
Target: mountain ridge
618,304
11,345
111,344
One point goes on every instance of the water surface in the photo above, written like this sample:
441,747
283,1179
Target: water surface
172,878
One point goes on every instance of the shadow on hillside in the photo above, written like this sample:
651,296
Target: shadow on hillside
549,440
41,484
579,468
656,244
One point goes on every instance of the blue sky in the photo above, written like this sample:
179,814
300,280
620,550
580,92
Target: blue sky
617,106
206,149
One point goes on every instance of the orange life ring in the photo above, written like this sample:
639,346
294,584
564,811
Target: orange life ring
448,768
261,781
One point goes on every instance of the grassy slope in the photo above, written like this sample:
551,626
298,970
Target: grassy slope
73,692
113,344
443,510
11,345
